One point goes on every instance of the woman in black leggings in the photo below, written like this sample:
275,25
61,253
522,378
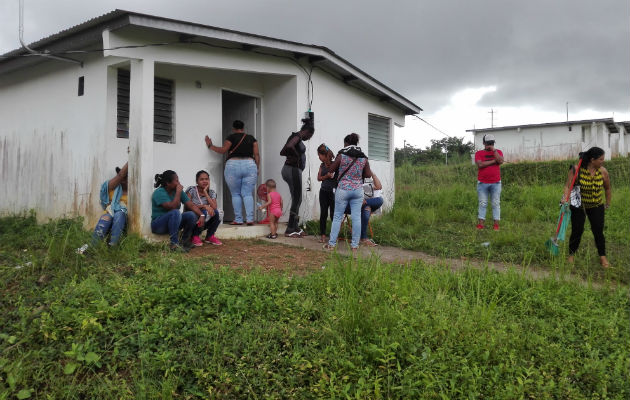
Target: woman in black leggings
593,182
295,152
327,191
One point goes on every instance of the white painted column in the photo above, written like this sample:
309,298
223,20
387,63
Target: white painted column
606,141
622,141
141,145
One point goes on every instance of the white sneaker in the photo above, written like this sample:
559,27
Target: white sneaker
82,249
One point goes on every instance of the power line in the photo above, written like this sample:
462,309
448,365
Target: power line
309,83
432,126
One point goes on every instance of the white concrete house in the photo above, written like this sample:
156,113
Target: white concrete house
157,86
558,140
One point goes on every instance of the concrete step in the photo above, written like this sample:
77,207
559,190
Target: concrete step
227,231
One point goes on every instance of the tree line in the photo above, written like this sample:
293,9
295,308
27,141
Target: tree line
444,151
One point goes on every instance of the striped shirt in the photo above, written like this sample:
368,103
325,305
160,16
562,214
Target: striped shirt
591,188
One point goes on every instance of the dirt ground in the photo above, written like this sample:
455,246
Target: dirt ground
248,254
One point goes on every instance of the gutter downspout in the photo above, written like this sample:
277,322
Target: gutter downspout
37,53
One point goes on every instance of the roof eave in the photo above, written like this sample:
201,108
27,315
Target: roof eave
90,32
549,124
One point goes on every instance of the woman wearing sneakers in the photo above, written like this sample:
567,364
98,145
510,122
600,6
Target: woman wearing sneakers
206,199
295,152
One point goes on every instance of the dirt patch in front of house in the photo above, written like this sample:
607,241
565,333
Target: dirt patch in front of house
250,254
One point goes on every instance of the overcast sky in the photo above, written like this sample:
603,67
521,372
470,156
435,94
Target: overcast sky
456,59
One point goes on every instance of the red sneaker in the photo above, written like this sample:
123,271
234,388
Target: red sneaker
496,226
480,226
196,241
213,240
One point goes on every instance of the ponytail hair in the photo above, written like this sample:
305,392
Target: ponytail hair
164,178
590,155
324,150
352,139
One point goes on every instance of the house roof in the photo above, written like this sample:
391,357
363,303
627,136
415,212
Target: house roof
610,124
89,33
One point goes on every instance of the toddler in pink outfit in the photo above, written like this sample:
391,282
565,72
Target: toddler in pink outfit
274,201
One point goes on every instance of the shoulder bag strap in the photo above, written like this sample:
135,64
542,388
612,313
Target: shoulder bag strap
239,143
346,170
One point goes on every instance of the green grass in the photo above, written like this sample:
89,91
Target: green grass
436,212
137,322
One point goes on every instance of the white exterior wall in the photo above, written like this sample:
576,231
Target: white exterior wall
547,142
340,110
624,137
52,143
57,148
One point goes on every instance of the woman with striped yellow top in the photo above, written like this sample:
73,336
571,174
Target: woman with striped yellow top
593,185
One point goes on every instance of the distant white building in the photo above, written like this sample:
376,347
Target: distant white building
157,86
558,140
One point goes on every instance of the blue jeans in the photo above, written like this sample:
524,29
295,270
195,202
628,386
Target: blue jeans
116,224
241,176
371,204
494,191
343,198
172,222
211,224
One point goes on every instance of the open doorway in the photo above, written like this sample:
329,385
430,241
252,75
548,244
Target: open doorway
245,108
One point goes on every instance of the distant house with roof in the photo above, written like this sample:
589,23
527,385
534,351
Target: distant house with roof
157,86
558,140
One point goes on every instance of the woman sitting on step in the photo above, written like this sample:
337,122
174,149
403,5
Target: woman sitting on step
206,199
166,217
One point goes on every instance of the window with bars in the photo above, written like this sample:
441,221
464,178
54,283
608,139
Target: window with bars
378,137
162,108
122,107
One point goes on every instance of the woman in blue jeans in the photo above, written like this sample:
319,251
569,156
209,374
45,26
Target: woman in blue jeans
372,201
241,170
166,217
351,166
113,198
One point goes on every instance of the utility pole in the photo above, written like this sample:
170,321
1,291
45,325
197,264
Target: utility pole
567,111
491,112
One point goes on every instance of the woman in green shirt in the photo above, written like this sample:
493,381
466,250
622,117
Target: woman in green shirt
166,216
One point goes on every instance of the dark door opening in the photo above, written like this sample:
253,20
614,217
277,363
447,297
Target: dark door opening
245,108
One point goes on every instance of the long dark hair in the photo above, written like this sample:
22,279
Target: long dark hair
592,154
164,178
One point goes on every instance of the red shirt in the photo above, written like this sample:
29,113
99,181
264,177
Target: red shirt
491,173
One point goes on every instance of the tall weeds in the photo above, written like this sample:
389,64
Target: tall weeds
436,212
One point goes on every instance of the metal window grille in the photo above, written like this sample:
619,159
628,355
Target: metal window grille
378,137
162,108
122,107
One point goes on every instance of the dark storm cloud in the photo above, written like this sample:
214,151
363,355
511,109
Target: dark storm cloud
539,53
